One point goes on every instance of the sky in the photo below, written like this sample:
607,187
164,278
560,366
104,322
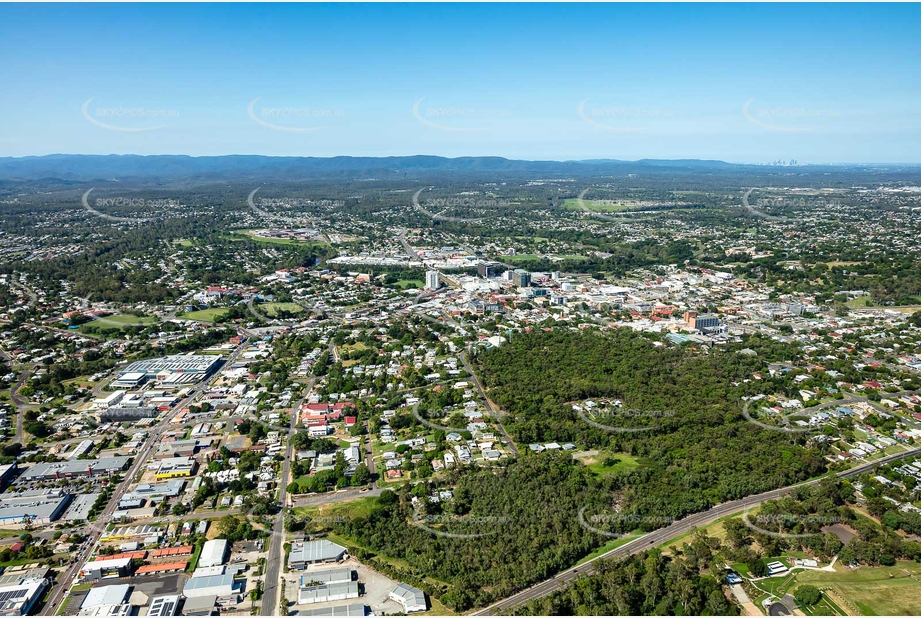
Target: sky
748,83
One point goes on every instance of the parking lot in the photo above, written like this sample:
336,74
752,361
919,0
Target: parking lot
153,586
374,587
80,507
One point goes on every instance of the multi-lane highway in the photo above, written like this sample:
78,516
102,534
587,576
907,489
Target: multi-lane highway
667,533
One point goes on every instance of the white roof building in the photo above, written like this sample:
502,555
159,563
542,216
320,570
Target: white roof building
213,553
412,599
213,585
105,595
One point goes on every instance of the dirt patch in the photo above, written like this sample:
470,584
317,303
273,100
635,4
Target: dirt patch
587,457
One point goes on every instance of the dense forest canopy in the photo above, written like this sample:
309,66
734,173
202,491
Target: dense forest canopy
528,511
699,450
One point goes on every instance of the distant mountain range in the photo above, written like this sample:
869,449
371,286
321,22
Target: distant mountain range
83,168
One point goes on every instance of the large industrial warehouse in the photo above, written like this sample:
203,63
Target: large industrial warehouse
76,467
33,507
177,370
214,553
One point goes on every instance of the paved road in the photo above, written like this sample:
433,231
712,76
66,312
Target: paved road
20,404
496,415
667,533
425,295
409,250
273,565
892,307
851,398
65,579
250,305
338,496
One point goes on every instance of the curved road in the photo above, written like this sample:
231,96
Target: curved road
667,533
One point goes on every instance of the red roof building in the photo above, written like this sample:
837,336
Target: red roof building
185,550
166,567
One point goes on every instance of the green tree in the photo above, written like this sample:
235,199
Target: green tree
758,567
807,595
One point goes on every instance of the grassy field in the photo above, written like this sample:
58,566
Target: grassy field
196,554
860,301
119,322
877,591
715,530
595,463
205,315
598,205
302,483
281,241
530,257
83,381
409,283
359,507
612,544
272,309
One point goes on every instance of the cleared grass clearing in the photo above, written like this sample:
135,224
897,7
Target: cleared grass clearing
272,309
205,315
119,322
877,591
599,205
596,461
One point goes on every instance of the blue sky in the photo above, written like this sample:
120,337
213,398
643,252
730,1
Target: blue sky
743,83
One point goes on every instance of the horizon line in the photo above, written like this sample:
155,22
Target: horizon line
586,161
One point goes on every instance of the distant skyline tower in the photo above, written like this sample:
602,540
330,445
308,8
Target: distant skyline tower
431,280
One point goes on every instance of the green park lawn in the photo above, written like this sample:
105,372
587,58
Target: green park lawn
120,321
272,309
877,591
625,463
596,205
206,315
